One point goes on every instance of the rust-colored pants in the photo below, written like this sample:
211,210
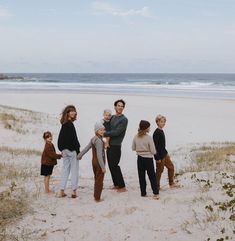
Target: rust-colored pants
99,178
160,167
98,175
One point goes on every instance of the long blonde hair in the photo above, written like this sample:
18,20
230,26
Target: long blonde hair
65,114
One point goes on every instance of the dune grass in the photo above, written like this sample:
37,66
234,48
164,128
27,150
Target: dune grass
15,200
212,157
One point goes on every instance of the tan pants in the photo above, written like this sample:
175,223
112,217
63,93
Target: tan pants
160,167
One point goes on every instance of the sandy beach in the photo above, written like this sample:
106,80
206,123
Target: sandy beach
180,214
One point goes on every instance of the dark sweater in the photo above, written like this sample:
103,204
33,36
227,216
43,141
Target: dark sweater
160,144
118,130
49,156
107,125
68,138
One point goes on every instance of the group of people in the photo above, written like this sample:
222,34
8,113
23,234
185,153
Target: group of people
107,141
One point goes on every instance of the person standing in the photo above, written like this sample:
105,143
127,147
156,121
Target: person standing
98,159
69,145
48,160
117,133
145,149
162,157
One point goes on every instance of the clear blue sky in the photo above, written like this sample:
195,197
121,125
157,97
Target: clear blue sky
117,36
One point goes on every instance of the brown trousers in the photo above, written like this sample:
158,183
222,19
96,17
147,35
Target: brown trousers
166,161
98,175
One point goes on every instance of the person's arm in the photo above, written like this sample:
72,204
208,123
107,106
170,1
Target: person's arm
152,146
84,151
60,139
50,152
74,138
118,130
134,144
155,141
99,151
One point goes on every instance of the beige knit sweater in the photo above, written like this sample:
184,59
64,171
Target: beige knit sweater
144,146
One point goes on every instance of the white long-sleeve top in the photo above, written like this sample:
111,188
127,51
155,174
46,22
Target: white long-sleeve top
144,146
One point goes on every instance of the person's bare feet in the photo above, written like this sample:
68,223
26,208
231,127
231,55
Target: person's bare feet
123,189
74,194
62,194
156,196
114,188
175,185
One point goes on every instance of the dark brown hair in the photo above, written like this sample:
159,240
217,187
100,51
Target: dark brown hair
46,135
65,114
121,100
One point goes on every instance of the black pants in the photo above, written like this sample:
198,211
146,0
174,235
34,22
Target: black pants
146,164
114,155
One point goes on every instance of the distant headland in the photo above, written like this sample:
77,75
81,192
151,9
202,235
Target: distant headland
4,77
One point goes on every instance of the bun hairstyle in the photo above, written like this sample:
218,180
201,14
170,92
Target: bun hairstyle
143,128
46,135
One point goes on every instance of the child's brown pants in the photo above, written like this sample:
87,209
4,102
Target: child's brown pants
99,178
166,161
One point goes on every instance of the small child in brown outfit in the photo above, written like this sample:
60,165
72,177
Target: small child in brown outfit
98,159
48,159
162,158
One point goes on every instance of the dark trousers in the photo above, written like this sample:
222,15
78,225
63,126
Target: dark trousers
146,164
114,155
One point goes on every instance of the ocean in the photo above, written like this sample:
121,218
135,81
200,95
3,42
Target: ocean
212,86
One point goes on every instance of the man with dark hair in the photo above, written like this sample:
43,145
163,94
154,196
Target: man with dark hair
118,125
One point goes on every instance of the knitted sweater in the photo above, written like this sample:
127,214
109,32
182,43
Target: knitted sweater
160,144
99,146
68,138
118,130
144,146
49,156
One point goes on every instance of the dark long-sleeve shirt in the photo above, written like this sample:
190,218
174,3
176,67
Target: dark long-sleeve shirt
68,138
160,144
118,130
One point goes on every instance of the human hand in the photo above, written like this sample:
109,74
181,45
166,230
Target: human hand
103,170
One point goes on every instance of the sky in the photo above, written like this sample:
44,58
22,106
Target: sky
122,36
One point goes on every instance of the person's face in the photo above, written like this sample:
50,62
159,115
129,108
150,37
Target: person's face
101,132
72,115
119,108
107,116
161,123
49,139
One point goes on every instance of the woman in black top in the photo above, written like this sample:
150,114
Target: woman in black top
69,145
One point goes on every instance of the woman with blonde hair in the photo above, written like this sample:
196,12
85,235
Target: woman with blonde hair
145,149
69,145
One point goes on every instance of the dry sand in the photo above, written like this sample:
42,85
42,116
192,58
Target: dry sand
179,214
